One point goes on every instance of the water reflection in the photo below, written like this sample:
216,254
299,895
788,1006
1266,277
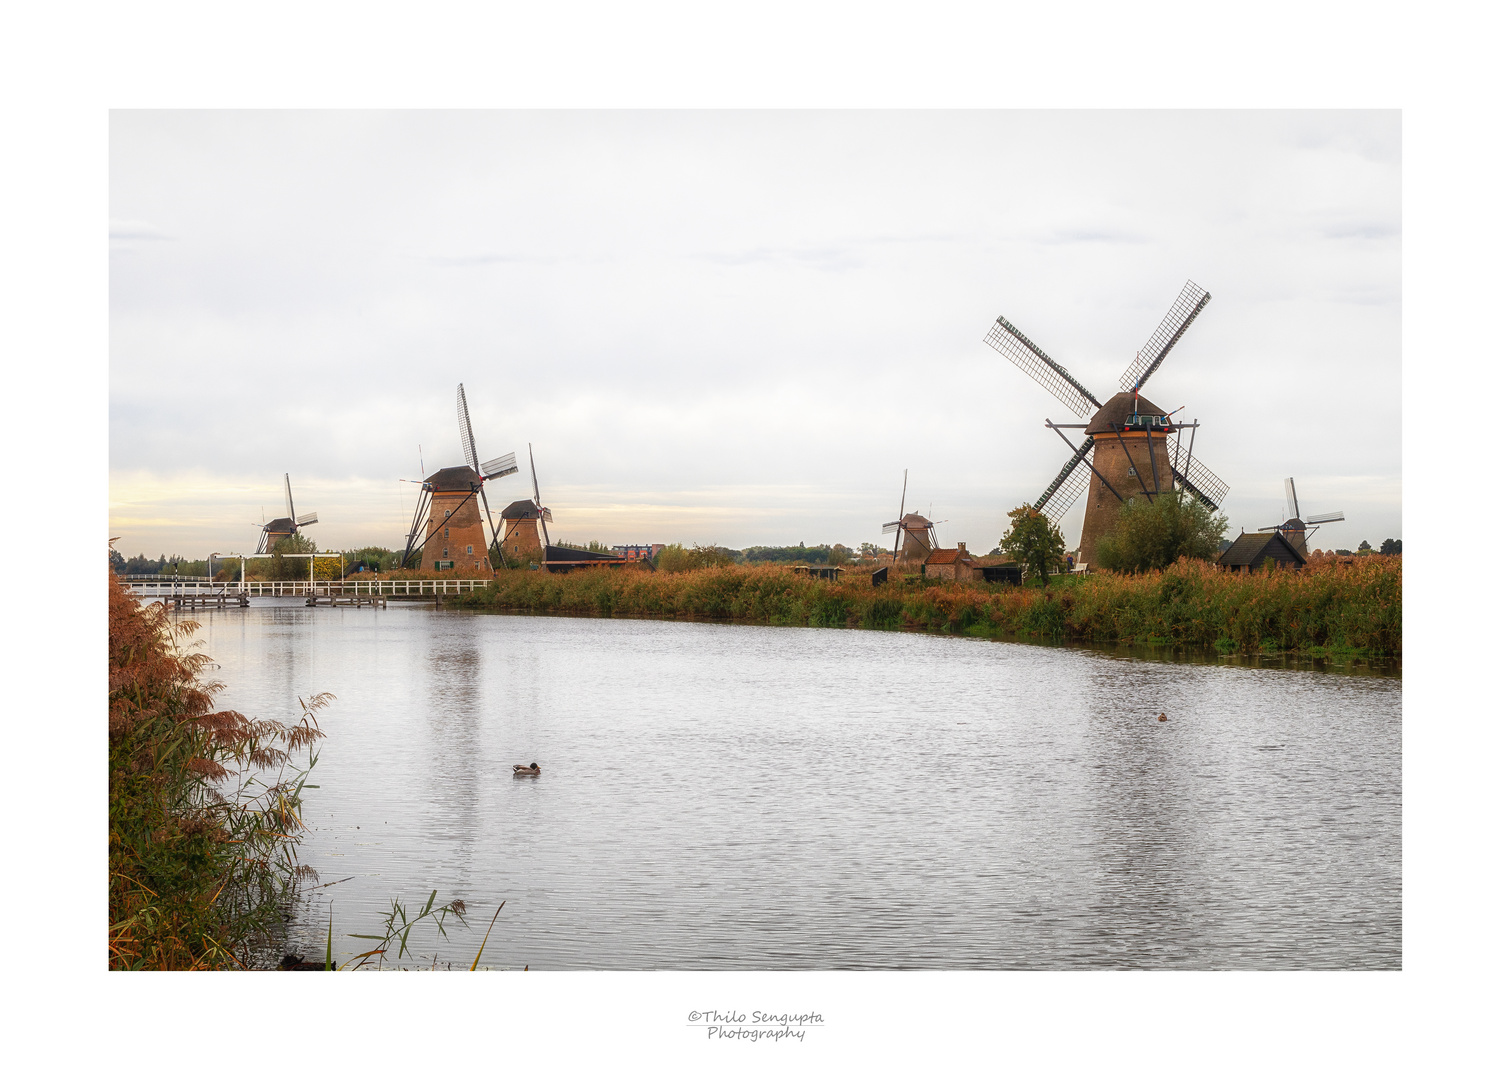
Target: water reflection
718,796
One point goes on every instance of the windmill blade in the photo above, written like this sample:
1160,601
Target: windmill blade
307,519
1323,519
545,515
464,421
1067,487
1182,313
421,505
499,466
1201,482
1012,343
891,526
288,494
1290,498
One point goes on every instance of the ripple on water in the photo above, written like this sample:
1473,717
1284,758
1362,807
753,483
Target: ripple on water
719,797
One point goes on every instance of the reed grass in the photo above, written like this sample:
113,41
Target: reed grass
1330,606
203,804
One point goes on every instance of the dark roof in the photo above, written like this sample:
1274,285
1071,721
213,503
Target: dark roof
1112,416
566,554
280,525
946,556
520,508
1251,549
456,478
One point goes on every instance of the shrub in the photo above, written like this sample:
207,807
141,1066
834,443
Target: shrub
1033,541
1153,534
199,877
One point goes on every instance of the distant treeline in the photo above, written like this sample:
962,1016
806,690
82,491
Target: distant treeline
1335,605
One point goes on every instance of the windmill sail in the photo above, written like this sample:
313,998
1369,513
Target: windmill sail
499,466
1323,519
545,515
1200,481
307,519
288,495
464,421
1290,499
1012,343
1177,320
1067,487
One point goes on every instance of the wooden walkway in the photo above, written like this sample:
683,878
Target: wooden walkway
201,593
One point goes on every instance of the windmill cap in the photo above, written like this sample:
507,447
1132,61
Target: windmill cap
456,478
521,508
282,524
1111,416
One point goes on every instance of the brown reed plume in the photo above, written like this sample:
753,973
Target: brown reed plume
204,803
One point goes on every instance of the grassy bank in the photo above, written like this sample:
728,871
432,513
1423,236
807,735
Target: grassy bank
1354,607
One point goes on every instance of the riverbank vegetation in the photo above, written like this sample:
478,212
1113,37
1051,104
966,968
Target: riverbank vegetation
203,804
1333,606
1153,534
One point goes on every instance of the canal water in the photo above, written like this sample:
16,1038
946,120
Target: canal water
740,797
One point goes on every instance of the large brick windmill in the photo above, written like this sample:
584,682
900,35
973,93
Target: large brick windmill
1126,449
280,528
448,528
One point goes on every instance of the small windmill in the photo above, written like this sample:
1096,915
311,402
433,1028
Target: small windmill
1112,433
914,533
281,527
1295,528
448,503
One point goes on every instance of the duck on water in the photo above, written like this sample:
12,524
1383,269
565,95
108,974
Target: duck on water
531,769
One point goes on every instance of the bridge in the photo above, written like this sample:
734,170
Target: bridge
198,592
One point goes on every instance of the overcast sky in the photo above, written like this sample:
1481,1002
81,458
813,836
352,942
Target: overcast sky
736,328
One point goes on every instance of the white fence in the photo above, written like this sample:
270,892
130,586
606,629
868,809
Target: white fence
416,588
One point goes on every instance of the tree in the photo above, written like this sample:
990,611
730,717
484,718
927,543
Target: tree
1364,548
1150,535
1390,547
1033,541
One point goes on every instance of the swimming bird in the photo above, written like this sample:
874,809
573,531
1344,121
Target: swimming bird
1162,719
531,769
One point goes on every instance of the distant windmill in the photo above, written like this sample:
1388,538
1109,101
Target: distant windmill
448,522
1125,466
1295,528
282,527
914,533
521,539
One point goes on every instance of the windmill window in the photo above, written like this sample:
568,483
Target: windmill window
469,551
446,533
446,554
1132,471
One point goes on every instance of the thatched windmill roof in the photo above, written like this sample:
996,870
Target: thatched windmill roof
1111,416
456,478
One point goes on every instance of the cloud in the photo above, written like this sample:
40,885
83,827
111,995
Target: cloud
484,260
136,230
1090,234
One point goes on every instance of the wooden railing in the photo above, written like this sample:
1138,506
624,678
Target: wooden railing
366,587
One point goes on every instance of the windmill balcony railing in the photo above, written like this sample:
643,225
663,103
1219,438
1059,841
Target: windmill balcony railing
366,587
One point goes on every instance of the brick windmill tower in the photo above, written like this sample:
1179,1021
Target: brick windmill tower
450,530
1126,450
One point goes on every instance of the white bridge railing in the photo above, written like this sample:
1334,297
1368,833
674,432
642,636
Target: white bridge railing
380,587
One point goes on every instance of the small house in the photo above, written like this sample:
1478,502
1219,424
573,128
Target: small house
560,560
1003,574
1250,550
951,564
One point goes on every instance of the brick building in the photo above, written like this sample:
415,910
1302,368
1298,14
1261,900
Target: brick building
456,537
952,564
